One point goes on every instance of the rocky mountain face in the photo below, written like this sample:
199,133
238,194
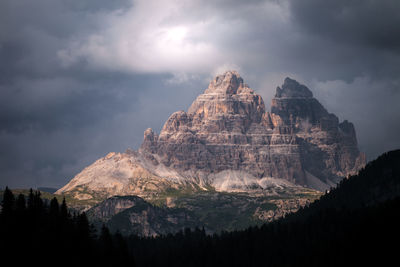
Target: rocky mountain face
227,140
227,143
133,215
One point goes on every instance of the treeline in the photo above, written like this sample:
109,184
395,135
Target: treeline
34,231
377,182
356,224
329,238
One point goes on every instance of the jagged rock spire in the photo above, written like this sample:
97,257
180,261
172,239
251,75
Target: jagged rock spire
227,83
291,88
295,103
227,95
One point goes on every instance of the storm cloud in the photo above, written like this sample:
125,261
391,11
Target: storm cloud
79,79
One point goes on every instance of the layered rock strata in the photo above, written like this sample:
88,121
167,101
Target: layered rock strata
227,141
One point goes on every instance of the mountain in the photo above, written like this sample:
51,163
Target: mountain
227,142
225,164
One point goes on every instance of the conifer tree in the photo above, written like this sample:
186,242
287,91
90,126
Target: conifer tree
105,238
38,202
106,243
31,199
64,209
8,203
54,207
21,203
83,226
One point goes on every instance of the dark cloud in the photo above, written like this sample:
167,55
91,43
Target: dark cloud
81,78
358,43
367,23
46,141
362,34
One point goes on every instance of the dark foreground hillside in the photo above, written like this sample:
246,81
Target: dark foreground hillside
355,224
35,232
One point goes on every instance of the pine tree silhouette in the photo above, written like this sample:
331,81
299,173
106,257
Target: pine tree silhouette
21,203
8,203
83,226
54,207
64,209
31,200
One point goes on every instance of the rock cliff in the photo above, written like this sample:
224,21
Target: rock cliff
132,215
227,141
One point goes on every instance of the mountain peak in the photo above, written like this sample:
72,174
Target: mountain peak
228,104
292,89
228,83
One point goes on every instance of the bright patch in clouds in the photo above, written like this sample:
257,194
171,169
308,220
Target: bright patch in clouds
173,36
145,38
176,35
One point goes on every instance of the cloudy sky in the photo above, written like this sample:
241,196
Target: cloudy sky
79,79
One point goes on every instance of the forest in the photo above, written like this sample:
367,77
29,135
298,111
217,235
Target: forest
356,223
35,231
